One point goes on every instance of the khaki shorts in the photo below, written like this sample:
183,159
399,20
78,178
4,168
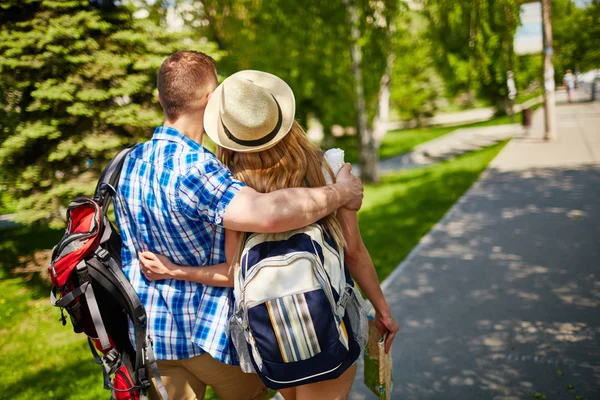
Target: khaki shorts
187,380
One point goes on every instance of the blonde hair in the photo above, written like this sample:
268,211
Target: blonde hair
293,162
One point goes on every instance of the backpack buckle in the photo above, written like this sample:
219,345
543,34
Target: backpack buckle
142,379
103,255
82,271
343,301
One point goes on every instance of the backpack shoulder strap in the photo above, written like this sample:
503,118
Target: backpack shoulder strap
109,179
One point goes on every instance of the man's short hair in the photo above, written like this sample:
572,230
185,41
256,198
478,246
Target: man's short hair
182,80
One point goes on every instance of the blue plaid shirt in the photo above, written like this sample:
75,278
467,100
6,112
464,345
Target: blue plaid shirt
171,198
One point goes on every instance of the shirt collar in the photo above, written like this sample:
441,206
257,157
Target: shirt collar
173,135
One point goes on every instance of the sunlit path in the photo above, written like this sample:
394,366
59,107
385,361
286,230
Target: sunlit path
501,300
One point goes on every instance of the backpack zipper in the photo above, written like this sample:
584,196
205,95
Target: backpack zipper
271,263
252,304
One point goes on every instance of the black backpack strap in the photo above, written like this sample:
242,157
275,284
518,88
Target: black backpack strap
105,190
143,344
109,179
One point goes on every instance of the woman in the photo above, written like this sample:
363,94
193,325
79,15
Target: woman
251,118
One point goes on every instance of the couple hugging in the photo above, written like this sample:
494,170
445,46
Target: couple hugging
182,210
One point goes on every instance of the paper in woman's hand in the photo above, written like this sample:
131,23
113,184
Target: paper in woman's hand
378,365
335,159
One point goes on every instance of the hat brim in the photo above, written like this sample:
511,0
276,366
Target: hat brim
274,85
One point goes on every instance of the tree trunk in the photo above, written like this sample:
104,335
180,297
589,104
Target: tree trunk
366,145
383,106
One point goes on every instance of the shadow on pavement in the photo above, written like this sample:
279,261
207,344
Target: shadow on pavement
501,300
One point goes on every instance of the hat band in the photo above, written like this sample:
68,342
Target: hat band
256,142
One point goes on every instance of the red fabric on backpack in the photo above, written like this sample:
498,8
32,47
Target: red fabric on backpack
124,386
98,346
85,218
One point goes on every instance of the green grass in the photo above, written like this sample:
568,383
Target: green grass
522,98
405,140
41,359
455,106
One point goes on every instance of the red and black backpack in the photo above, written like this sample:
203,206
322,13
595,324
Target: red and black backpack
88,282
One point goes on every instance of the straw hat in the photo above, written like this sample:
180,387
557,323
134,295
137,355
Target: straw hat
250,111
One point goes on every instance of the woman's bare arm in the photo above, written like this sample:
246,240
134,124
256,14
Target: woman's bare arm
363,271
156,267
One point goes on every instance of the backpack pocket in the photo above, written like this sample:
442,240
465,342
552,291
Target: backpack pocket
355,311
329,364
294,327
296,338
238,338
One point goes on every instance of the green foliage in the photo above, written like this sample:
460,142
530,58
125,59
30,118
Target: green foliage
576,33
473,44
306,44
416,85
529,72
77,83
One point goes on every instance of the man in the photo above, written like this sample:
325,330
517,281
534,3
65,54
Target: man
569,82
175,198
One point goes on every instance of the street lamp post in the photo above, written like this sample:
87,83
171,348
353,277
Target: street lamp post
549,100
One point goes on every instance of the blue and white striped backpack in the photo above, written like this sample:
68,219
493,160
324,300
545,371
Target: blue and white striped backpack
298,317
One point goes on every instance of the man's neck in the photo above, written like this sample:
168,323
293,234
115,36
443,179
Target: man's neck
191,127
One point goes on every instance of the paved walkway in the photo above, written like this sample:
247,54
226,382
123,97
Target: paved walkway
462,141
501,300
6,221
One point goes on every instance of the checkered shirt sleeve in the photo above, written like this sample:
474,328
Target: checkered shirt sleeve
205,191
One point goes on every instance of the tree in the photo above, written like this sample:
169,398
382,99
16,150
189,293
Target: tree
418,87
473,44
591,37
304,43
308,45
77,83
366,143
576,34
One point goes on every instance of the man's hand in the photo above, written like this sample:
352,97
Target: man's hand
385,324
351,186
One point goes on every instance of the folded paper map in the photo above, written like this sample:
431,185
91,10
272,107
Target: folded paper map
378,365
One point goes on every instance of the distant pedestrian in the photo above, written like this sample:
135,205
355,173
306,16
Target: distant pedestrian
569,82
512,93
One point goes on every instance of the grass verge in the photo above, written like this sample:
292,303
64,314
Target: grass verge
40,359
